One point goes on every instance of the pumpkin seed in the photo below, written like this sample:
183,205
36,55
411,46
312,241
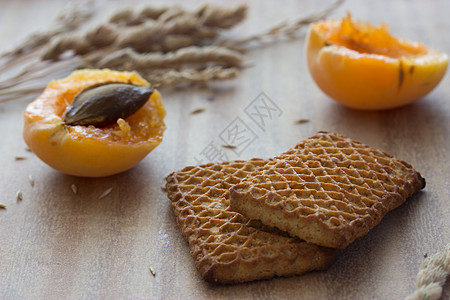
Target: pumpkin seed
104,104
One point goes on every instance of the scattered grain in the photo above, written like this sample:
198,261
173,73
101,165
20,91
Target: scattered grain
152,271
31,180
19,196
105,193
229,146
197,111
74,189
2,206
301,121
20,157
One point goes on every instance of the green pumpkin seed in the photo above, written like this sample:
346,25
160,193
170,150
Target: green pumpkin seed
104,104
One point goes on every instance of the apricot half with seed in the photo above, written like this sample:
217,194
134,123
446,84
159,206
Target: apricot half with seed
99,149
104,104
364,67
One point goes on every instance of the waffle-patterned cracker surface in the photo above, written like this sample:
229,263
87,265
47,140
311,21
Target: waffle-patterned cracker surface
327,190
226,246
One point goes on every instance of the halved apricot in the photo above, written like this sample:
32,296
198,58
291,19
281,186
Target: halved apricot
88,150
364,67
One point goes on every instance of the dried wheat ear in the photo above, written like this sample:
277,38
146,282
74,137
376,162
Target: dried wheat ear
167,45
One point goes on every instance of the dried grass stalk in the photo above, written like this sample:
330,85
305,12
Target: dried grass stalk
152,35
217,17
210,16
285,29
174,77
68,20
161,35
129,59
167,45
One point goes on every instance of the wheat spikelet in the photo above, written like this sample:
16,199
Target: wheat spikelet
284,29
167,45
68,20
175,28
129,59
174,77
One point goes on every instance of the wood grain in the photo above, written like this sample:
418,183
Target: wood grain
55,244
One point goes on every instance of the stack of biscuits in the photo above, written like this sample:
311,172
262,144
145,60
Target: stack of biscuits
284,216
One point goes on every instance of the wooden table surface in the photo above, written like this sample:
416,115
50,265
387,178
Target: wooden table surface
56,245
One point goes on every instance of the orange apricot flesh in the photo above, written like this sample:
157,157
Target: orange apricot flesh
364,67
87,150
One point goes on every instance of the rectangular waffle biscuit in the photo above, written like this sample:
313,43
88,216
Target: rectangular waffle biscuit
327,190
226,246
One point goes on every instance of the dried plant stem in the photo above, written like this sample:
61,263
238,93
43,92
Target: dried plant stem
11,88
36,71
284,29
172,77
211,16
68,20
21,60
129,59
216,17
167,46
164,34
